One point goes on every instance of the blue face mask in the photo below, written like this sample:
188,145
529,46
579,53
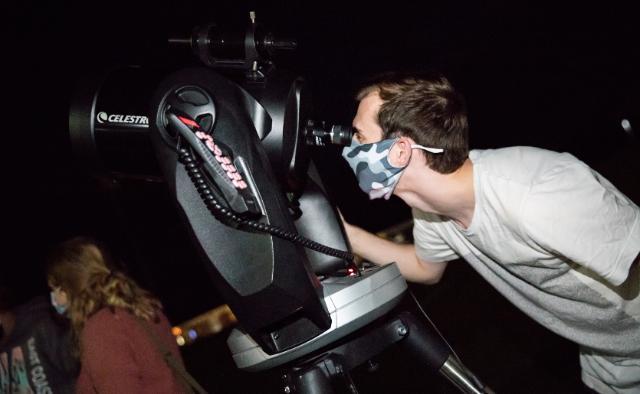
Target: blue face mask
61,309
370,162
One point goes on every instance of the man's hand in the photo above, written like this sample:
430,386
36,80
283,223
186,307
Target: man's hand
381,251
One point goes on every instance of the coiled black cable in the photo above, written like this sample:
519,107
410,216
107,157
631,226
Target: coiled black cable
225,215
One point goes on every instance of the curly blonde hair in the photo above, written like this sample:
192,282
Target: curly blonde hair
84,270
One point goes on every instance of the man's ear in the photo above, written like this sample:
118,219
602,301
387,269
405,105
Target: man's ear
400,152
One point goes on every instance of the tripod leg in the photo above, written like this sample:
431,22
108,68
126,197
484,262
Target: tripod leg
462,377
322,376
425,343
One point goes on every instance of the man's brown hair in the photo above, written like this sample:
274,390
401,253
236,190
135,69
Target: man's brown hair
427,109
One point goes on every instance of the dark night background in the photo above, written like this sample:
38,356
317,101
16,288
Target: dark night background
555,76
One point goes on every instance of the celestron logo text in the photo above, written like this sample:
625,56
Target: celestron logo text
103,117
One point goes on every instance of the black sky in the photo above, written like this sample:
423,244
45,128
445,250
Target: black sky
560,76
556,76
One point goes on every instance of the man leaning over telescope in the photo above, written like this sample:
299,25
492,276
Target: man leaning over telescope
548,232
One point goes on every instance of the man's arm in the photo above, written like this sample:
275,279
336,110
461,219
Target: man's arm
381,251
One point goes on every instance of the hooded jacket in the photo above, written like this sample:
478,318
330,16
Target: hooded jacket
36,356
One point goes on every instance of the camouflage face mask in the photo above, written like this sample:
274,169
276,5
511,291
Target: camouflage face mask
370,162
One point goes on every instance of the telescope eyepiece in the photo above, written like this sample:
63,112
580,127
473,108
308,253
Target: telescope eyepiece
318,134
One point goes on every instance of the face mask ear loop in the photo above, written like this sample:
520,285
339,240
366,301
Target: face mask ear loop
432,150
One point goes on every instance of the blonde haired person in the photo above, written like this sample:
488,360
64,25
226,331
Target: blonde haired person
116,324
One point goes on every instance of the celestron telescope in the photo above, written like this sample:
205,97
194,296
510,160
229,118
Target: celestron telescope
230,140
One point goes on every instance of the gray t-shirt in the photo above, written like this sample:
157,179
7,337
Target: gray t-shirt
556,239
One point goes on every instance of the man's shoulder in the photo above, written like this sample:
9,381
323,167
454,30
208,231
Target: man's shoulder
35,306
34,314
520,164
34,322
514,154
